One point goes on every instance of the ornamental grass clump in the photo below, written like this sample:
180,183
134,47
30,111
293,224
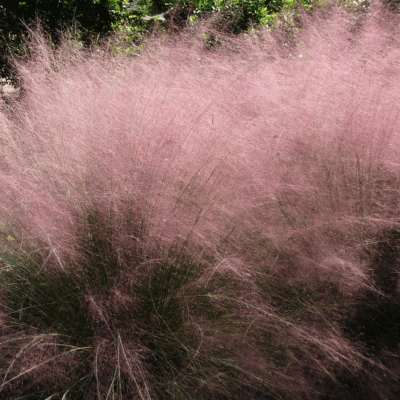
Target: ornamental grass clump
204,224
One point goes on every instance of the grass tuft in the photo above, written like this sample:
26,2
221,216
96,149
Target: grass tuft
216,217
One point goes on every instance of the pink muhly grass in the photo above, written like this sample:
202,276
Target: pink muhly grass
203,205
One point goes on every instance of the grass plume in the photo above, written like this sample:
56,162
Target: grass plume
204,222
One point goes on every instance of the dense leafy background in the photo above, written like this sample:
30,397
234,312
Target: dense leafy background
92,16
96,18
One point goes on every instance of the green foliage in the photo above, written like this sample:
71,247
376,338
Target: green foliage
91,17
237,15
131,21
